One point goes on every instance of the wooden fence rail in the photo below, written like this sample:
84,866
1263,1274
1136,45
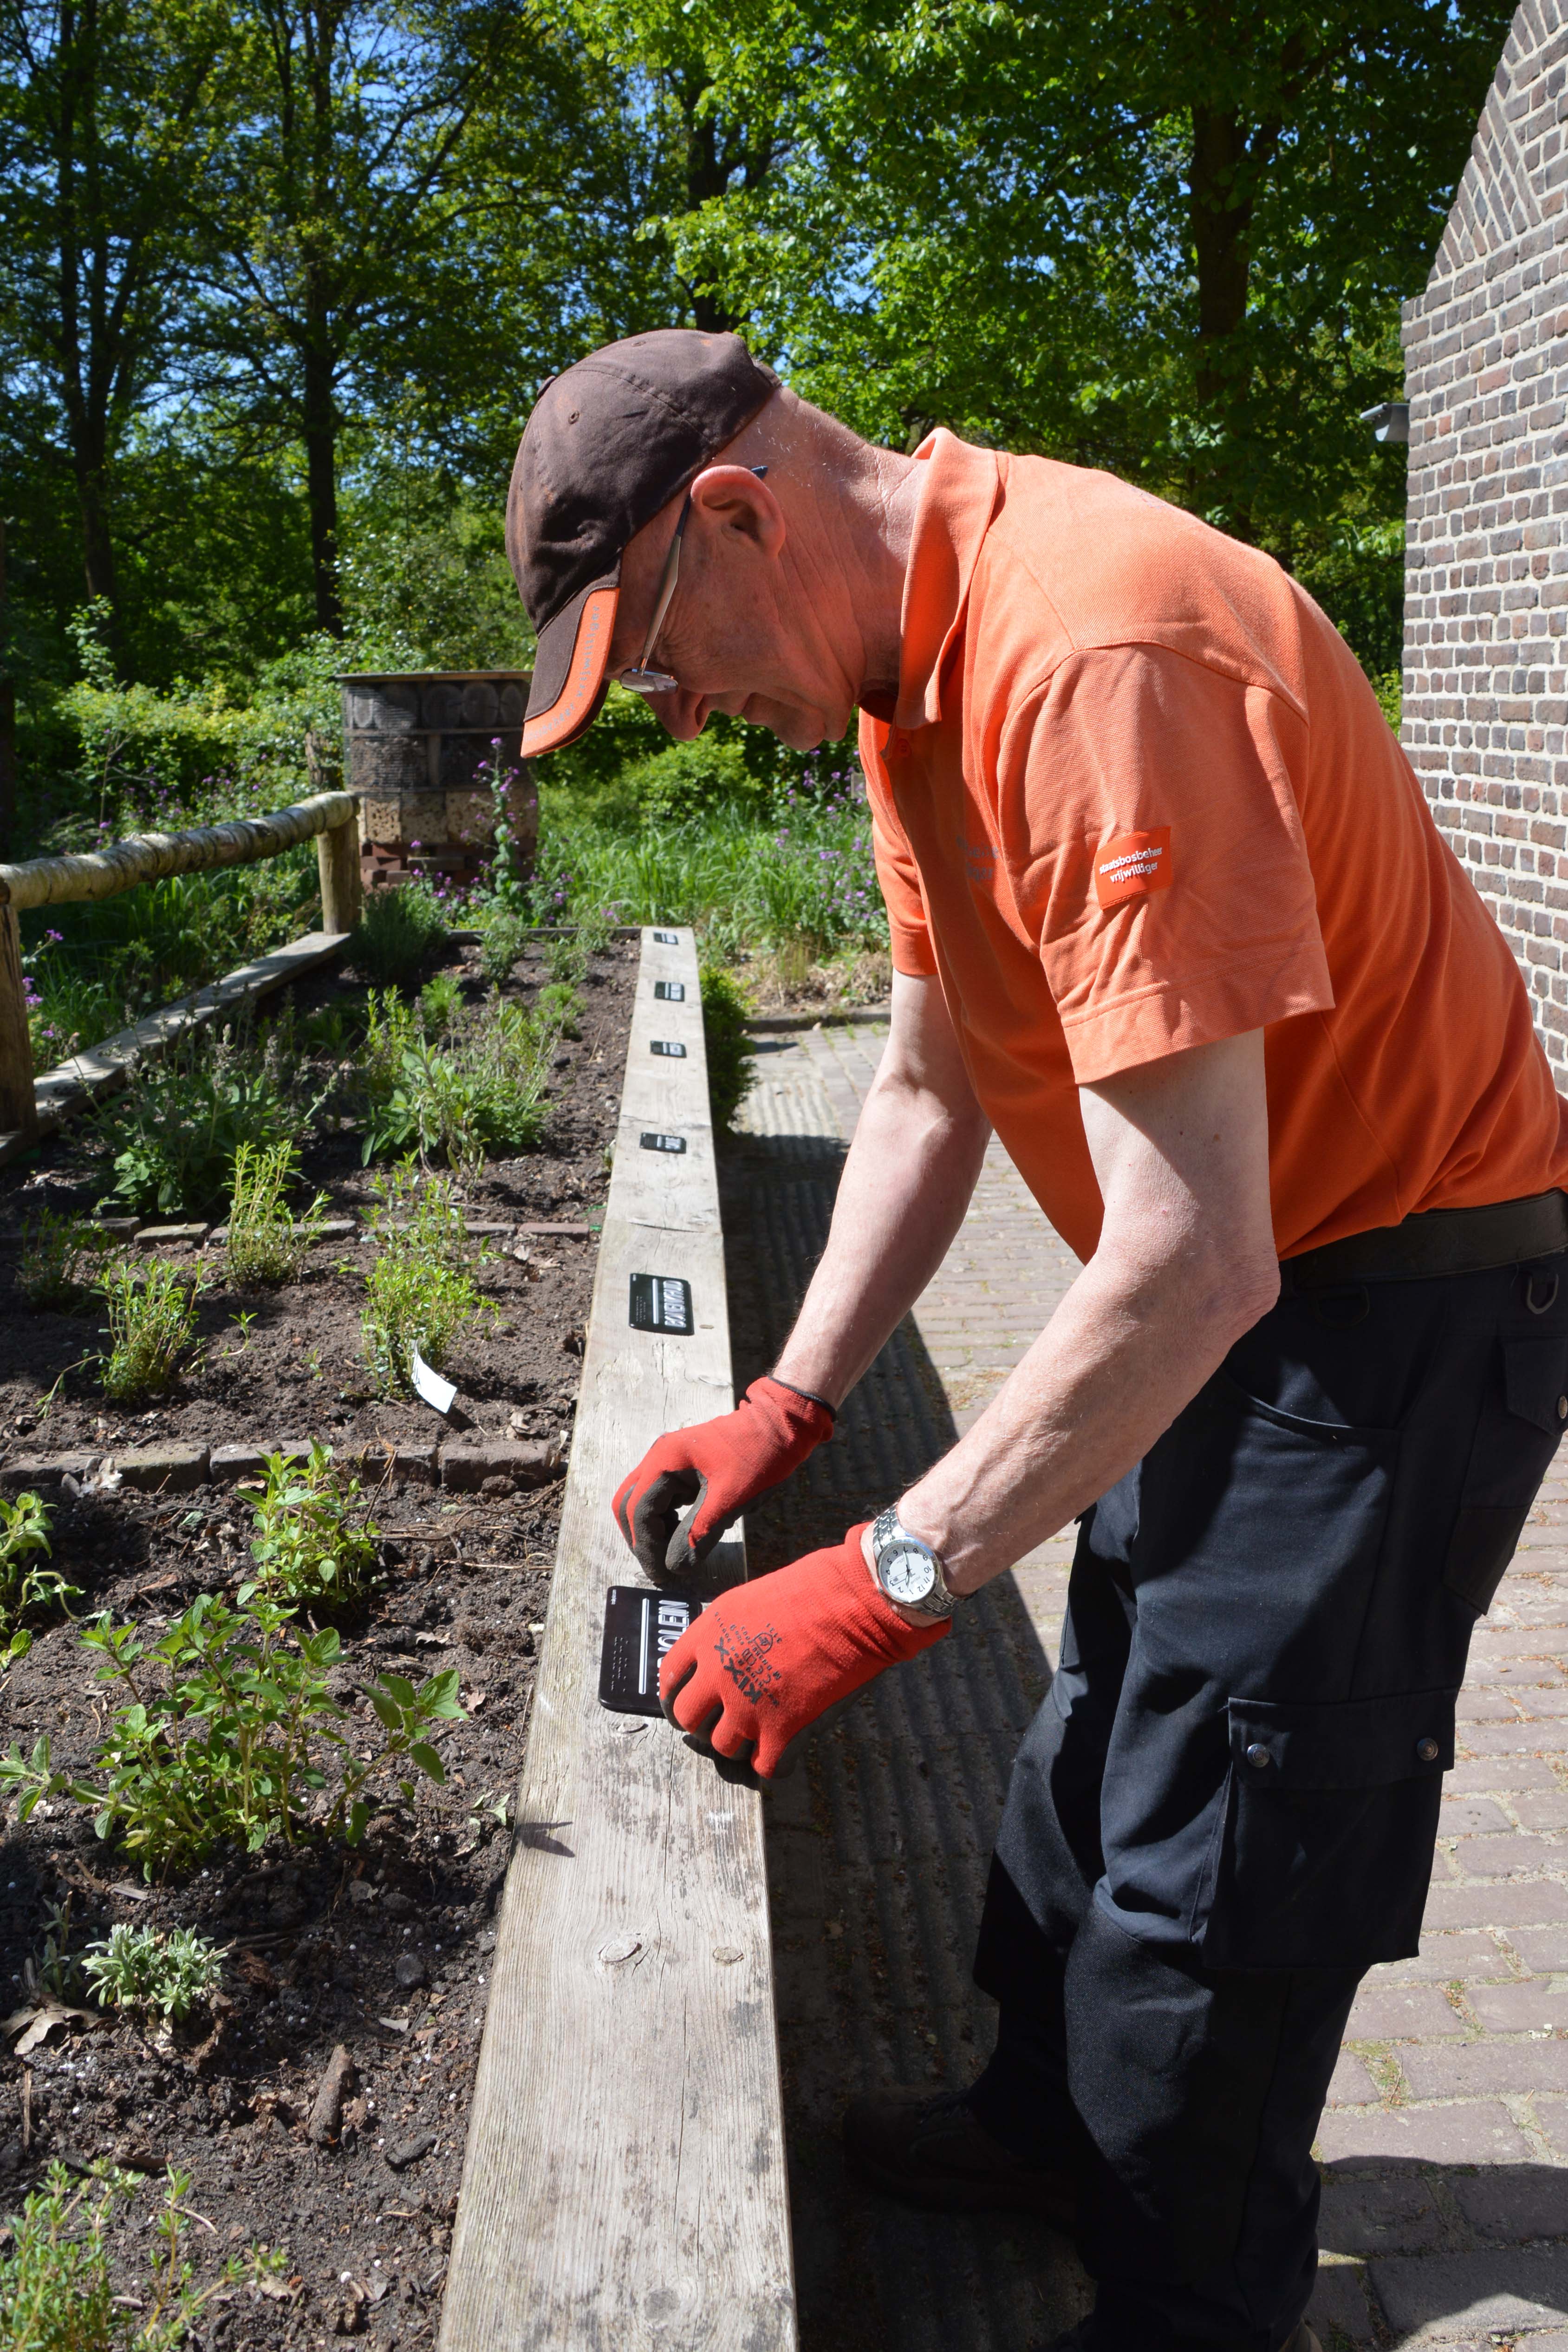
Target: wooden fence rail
149,858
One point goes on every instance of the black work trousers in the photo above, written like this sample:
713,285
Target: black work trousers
1225,1810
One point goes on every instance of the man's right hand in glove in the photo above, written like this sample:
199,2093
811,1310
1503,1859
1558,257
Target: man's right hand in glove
723,1466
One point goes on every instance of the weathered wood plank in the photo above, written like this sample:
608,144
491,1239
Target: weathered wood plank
338,869
148,856
625,2183
89,1076
16,1108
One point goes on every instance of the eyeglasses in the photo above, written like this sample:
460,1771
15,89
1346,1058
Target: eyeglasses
641,679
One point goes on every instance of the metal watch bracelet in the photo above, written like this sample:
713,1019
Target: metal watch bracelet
891,1540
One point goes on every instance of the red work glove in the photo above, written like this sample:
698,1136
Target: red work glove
760,1663
723,1465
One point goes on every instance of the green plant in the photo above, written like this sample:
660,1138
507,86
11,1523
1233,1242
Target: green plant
566,960
227,1729
480,1090
305,1544
558,1007
730,1053
143,1969
177,1129
24,1585
56,1253
57,2287
420,1291
440,1002
398,929
504,935
152,1318
266,1242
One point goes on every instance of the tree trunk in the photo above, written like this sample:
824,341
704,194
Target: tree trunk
1221,216
1221,220
320,435
8,721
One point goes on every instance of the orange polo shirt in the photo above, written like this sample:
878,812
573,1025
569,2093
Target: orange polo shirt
1137,795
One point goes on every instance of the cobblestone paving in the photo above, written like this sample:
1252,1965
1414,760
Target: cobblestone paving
1445,2145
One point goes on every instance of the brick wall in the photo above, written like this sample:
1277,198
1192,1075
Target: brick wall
1486,601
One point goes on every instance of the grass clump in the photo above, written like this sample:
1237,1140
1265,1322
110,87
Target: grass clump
731,1055
306,1543
227,1729
267,1243
57,2287
397,931
152,1321
142,1970
175,1133
420,1291
59,1257
24,1583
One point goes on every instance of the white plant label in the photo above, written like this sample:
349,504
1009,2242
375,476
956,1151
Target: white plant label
437,1393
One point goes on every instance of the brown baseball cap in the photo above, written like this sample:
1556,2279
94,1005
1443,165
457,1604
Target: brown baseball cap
607,444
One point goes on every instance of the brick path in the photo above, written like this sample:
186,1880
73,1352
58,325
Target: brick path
1445,2147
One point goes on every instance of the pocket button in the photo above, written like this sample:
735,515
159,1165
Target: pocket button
1562,1408
1428,1751
1259,1758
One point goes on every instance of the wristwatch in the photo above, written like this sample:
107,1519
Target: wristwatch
907,1569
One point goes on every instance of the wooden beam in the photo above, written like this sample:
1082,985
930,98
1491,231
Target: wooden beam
337,864
148,856
17,1109
624,2178
88,1077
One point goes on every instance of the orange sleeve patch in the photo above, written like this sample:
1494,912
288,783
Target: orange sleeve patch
1132,866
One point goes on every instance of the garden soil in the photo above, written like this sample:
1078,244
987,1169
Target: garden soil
380,1952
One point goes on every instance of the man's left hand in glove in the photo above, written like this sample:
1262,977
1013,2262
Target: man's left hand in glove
759,1665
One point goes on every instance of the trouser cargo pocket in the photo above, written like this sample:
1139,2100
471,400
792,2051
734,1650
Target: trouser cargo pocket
1323,1848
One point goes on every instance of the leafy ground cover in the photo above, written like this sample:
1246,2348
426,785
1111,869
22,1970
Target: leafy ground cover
293,1709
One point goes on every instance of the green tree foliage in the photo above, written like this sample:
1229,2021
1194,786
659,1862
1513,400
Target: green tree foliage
1169,236
111,111
279,280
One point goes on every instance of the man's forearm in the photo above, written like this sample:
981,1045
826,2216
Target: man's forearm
1107,1376
1185,1265
911,1171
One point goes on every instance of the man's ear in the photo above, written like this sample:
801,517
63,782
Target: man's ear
735,498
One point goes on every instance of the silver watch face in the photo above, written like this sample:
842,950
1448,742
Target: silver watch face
908,1573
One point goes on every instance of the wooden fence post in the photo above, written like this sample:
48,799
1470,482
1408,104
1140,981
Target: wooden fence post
338,862
18,1111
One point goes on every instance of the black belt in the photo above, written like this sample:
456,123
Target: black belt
1438,1240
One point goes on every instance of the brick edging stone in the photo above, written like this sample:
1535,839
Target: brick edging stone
462,1465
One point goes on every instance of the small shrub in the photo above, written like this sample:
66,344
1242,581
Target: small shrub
57,1253
730,1053
176,1130
304,1542
143,1968
504,935
397,931
481,1090
557,1007
23,1584
441,1000
566,958
227,1729
152,1321
57,2287
421,1293
266,1242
